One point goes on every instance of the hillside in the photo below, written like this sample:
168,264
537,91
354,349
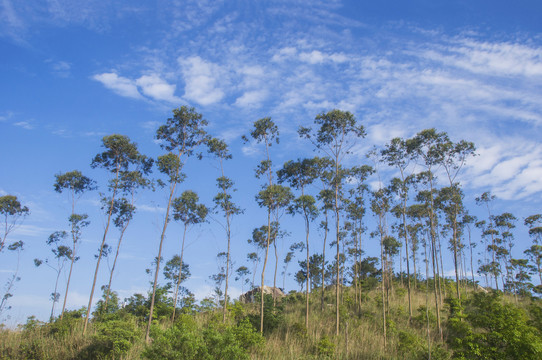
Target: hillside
487,325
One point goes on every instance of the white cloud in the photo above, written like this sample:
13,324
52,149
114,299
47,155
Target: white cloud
154,87
120,85
201,80
284,53
251,98
510,166
314,57
24,124
61,69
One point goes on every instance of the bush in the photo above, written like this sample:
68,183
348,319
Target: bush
186,341
491,329
112,339
272,317
325,348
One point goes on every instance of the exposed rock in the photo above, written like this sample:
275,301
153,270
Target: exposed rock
248,297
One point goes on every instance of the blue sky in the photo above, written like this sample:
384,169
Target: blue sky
74,72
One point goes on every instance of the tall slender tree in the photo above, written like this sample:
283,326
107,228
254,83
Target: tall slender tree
180,136
454,157
265,131
324,168
187,210
75,184
12,213
336,135
425,149
62,254
124,208
299,174
223,202
119,156
397,154
490,234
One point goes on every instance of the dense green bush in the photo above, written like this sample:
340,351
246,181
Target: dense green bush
489,328
185,340
113,338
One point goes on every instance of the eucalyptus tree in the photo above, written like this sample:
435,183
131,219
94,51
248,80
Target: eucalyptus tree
254,258
397,154
242,273
356,211
467,221
504,223
265,131
75,184
223,202
187,210
336,134
425,209
171,273
180,137
324,168
454,157
62,254
380,205
275,198
450,201
12,213
124,207
489,233
534,223
426,149
119,156
299,174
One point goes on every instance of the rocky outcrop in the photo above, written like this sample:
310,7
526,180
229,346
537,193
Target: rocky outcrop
248,297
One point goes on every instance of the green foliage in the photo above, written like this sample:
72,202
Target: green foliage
410,346
273,317
325,348
68,324
186,340
112,339
491,329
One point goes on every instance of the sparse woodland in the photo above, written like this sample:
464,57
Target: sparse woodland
397,305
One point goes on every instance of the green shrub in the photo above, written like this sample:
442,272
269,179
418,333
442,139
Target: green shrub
112,339
217,341
490,328
325,348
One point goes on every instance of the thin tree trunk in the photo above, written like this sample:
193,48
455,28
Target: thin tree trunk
308,274
264,266
324,261
68,281
427,299
275,276
72,257
384,272
101,250
227,269
179,277
114,265
405,230
54,296
157,270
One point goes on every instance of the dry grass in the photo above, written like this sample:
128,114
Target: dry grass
361,334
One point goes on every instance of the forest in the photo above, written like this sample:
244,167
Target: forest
400,304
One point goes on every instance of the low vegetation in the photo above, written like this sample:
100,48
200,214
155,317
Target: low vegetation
484,325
